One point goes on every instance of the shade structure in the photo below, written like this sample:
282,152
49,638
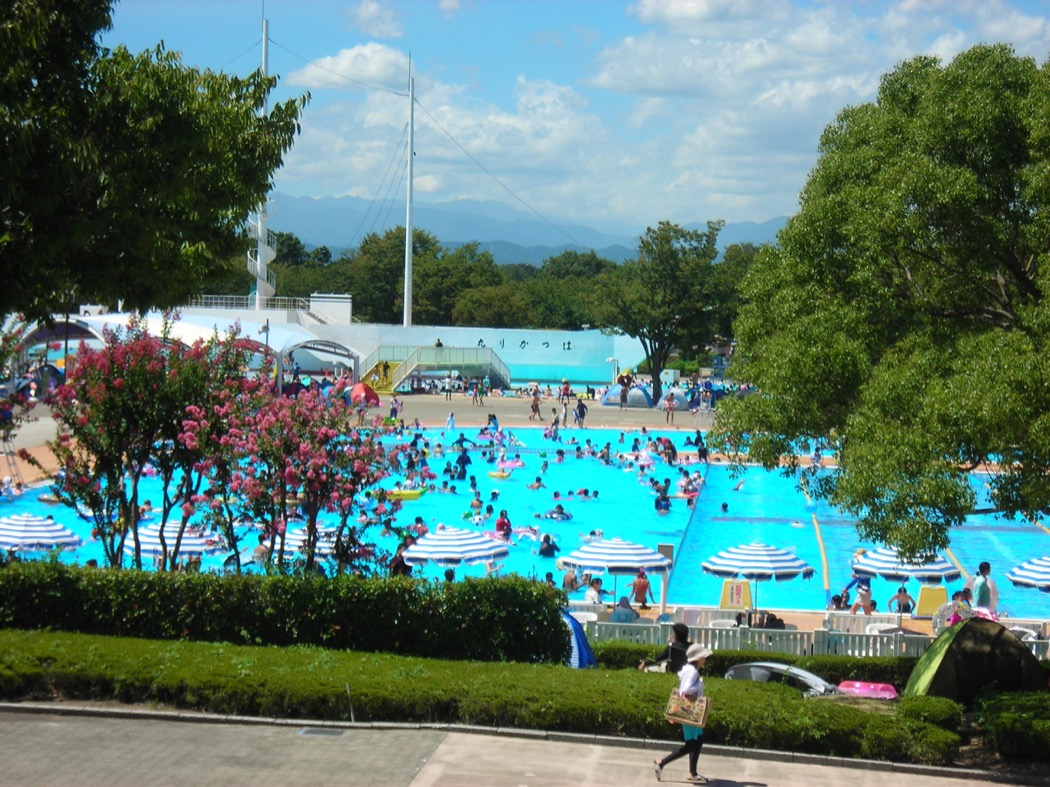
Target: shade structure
757,563
1033,573
191,545
681,401
451,546
295,542
616,556
637,396
29,532
886,563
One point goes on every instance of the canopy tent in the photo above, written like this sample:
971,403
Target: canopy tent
637,396
757,563
681,401
972,655
363,391
581,656
886,563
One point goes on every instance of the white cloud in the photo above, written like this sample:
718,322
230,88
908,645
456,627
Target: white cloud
377,19
448,7
361,67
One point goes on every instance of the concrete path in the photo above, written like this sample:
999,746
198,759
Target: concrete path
144,748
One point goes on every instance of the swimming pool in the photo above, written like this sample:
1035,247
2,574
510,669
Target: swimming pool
767,507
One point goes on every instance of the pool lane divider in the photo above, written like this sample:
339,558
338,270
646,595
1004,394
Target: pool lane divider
820,543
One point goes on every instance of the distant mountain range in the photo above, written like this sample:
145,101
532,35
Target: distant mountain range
509,234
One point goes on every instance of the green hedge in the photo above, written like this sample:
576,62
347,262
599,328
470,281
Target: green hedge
307,682
1018,725
506,619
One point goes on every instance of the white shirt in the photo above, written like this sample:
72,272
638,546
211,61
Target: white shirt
689,682
592,596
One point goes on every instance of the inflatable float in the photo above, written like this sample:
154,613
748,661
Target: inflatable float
876,691
498,474
406,494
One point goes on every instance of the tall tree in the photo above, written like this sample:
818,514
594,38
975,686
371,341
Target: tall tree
903,315
377,272
438,281
125,177
665,292
290,250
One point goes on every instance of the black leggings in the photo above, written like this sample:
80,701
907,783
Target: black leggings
692,748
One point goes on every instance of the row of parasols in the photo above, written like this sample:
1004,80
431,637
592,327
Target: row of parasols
450,546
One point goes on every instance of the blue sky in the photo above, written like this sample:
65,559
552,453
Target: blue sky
612,114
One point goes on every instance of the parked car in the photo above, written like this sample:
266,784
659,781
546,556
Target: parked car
774,672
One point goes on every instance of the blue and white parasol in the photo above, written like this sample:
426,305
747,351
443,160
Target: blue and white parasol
886,563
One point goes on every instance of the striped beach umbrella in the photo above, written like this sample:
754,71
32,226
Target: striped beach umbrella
757,563
32,533
616,557
886,563
451,546
191,545
295,543
1033,573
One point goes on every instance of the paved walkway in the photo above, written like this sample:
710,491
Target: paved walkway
143,749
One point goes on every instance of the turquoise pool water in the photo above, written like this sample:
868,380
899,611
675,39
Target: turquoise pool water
767,507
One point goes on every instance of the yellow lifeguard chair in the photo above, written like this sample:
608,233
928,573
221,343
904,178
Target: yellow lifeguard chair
736,594
931,598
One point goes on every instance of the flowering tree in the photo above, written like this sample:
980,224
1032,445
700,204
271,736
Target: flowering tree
120,413
277,458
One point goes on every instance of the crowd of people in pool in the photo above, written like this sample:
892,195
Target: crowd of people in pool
491,447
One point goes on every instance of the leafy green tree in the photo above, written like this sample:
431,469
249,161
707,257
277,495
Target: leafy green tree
503,306
562,293
124,177
377,272
517,272
319,257
290,250
438,281
664,293
902,316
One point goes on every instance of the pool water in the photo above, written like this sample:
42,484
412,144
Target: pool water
765,507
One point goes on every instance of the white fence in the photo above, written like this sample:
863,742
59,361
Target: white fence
842,634
797,643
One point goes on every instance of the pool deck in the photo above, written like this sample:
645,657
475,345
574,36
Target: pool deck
432,412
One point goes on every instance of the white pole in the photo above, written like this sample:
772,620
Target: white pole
663,591
408,209
260,248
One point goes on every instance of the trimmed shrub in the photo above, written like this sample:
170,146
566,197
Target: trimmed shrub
1018,725
505,619
308,682
938,711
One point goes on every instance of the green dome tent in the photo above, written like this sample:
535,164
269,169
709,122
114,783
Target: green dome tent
972,655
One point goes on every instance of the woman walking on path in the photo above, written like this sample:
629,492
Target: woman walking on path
690,684
669,406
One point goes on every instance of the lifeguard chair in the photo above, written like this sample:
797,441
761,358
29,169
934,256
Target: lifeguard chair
736,594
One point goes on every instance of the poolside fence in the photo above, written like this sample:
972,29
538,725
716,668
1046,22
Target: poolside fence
842,634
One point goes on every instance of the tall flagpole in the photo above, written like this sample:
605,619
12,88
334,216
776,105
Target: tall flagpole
408,209
261,249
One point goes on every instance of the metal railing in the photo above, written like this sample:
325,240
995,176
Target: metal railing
241,302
